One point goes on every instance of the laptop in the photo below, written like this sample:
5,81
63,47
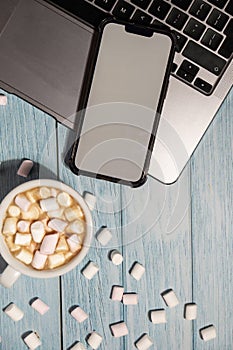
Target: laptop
44,54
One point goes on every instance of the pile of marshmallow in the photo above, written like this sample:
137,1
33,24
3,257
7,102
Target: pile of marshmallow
44,228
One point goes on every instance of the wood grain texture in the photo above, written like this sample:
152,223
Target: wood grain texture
212,222
24,133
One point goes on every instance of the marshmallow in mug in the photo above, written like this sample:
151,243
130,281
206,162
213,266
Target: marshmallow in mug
44,227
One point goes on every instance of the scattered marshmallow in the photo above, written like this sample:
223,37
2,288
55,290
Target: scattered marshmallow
14,211
49,204
94,340
25,168
90,199
3,100
117,293
32,340
208,333
119,329
23,226
37,231
22,202
23,239
190,311
77,226
74,243
56,260
9,227
9,276
104,236
49,243
39,260
158,316
144,342
79,314
170,298
130,299
40,306
78,346
64,199
116,257
137,271
44,192
90,270
57,225
25,256
14,312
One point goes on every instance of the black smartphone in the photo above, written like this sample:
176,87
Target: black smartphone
124,94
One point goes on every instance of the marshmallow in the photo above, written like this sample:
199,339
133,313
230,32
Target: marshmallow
208,333
23,226
56,260
158,316
64,199
44,192
25,256
190,311
40,306
37,231
14,312
32,341
73,213
11,245
54,192
3,100
39,260
49,204
32,214
119,329
104,236
74,243
137,271
90,199
170,298
9,276
9,227
56,213
22,202
49,243
144,342
76,226
57,225
94,340
25,168
117,293
130,299
23,239
33,246
90,270
62,245
116,257
78,346
14,211
79,314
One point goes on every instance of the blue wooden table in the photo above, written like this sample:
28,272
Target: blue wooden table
181,233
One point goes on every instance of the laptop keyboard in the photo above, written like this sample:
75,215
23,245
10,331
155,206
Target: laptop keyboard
203,30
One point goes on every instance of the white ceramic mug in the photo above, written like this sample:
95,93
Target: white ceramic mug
15,267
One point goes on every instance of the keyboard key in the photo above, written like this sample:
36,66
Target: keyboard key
202,85
141,3
194,29
105,4
189,67
177,18
180,40
218,3
204,58
200,9
159,9
123,10
217,19
141,17
229,8
229,28
184,75
212,39
227,47
183,4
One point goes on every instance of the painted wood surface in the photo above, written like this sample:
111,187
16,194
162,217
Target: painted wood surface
180,233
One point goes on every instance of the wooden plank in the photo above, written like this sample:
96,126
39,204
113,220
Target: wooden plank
212,220
93,295
157,234
26,132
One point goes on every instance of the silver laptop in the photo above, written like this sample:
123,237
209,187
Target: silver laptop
44,52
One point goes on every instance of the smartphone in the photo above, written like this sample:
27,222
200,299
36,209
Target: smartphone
124,93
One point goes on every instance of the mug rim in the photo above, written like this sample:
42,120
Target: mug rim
20,266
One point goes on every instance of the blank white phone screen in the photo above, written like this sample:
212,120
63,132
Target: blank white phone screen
122,103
